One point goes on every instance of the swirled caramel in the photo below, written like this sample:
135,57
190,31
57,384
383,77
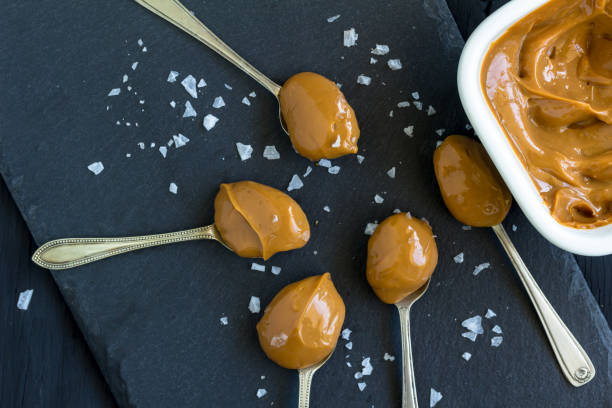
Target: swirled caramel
471,187
549,81
402,255
301,326
320,122
257,221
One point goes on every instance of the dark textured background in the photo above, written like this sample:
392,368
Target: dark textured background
45,362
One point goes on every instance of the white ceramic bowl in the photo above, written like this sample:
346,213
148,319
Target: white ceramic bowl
597,241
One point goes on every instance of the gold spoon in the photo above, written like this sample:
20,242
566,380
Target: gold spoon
70,252
174,12
306,375
409,392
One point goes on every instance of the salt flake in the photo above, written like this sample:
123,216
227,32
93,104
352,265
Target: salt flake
334,170
380,49
496,341
346,333
431,111
295,183
201,83
224,321
458,258
218,102
189,111
490,314
261,392
350,37
370,228
388,357
394,64
361,386
96,168
172,76
333,18
496,329
326,208
466,356
480,268
271,153
134,65
434,397
391,172
409,131
258,267
209,121
360,158
469,335
349,345
276,270
180,140
373,60
189,83
114,92
173,188
378,199
324,163
244,151
246,101
163,150
364,80
473,324
24,299
308,171
403,104
254,304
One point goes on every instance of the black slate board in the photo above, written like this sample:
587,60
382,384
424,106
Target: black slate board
151,318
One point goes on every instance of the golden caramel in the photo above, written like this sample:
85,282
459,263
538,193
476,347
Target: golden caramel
471,187
320,122
549,81
301,326
257,221
402,255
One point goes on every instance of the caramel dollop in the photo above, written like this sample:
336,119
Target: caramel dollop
320,122
548,79
471,187
257,221
402,255
301,326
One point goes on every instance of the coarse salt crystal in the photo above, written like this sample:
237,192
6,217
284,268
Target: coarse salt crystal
224,321
253,94
172,76
378,199
373,60
468,126
466,227
189,111
403,104
261,392
391,113
490,314
496,329
333,18
346,333
128,124
349,345
134,65
258,267
170,142
129,88
466,356
218,102
141,101
271,153
227,86
163,150
140,42
295,183
128,155
394,64
348,364
307,172
189,83
209,121
360,158
361,386
173,188
480,268
180,140
496,341
201,83
469,335
334,170
370,228
96,168
364,80
125,78
350,37
24,299
409,131
246,101
434,397
440,132
326,208
254,304
388,357
114,92
391,172
514,228
473,324
276,270
431,111
173,104
244,151
397,211
144,49
418,105
380,49
367,367
458,258
324,163
141,145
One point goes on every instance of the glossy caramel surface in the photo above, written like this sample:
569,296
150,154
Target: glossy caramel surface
257,221
549,81
471,187
402,255
301,326
320,122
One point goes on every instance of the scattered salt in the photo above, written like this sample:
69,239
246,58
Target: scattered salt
403,104
173,104
244,151
141,101
201,83
261,392
361,386
466,227
210,121
140,42
490,314
227,86
125,78
466,356
440,132
334,170
514,228
349,345
189,83
434,397
333,18
388,357
364,80
134,65
480,268
253,94
380,49
189,111
415,95
271,153
224,321
308,170
394,64
258,267
348,364
431,111
346,333
473,324
469,335
409,131
173,188
128,155
350,37
152,145
218,102
163,150
246,101
378,199
295,183
24,299
367,367
496,341
324,163
391,172
360,158
496,329
254,304
418,105
468,126
458,258
276,270
391,113
172,76
96,168
180,140
326,208
141,145
114,92
397,211
370,228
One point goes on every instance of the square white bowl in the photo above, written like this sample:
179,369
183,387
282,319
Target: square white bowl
591,242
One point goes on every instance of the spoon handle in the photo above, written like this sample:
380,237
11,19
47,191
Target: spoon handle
409,392
305,381
174,12
70,252
574,362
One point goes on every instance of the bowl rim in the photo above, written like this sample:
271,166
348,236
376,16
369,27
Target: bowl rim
590,242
